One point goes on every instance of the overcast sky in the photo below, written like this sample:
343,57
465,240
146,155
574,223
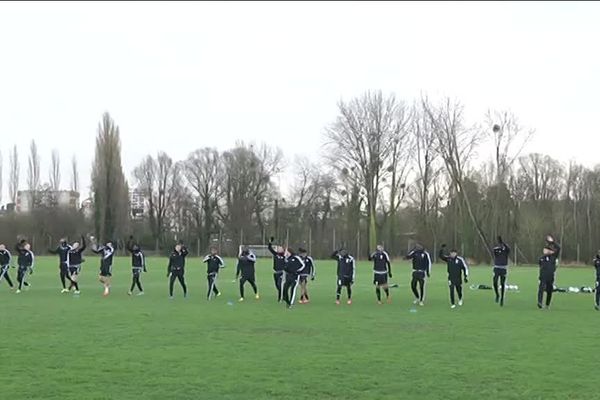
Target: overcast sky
178,76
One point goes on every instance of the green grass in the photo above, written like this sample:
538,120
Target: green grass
60,347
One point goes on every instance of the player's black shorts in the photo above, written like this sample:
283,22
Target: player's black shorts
380,279
500,271
74,269
106,271
418,274
344,280
303,278
64,267
548,279
136,271
454,281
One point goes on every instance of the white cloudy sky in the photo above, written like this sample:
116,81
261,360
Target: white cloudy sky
178,76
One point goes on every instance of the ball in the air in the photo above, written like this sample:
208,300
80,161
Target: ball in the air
496,128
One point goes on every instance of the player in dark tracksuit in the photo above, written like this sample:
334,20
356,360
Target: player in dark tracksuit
106,252
138,265
501,252
213,264
5,258
309,271
278,268
457,266
421,265
294,266
597,286
63,262
547,274
75,260
246,273
382,269
176,268
25,261
346,272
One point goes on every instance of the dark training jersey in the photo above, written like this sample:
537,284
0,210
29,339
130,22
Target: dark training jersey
75,255
597,267
177,261
345,265
278,260
421,261
294,265
457,266
106,253
245,266
547,267
501,252
381,263
213,264
63,252
26,257
5,257
309,267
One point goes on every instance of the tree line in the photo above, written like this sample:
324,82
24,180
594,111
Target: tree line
392,172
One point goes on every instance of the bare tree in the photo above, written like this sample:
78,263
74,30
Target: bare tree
509,139
110,189
13,184
248,189
55,171
74,174
362,138
203,172
158,178
455,144
33,174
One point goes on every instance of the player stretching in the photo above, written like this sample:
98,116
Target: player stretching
176,268
456,267
382,268
213,264
5,258
309,270
421,264
345,273
106,252
278,267
63,262
547,274
138,265
245,271
75,260
26,262
501,252
597,268
294,266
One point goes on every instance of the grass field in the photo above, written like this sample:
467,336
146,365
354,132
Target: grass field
57,346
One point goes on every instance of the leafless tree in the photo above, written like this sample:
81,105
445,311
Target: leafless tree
158,179
203,172
362,140
55,171
455,143
74,175
13,184
33,173
509,139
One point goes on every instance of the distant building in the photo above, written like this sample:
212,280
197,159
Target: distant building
28,200
137,203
